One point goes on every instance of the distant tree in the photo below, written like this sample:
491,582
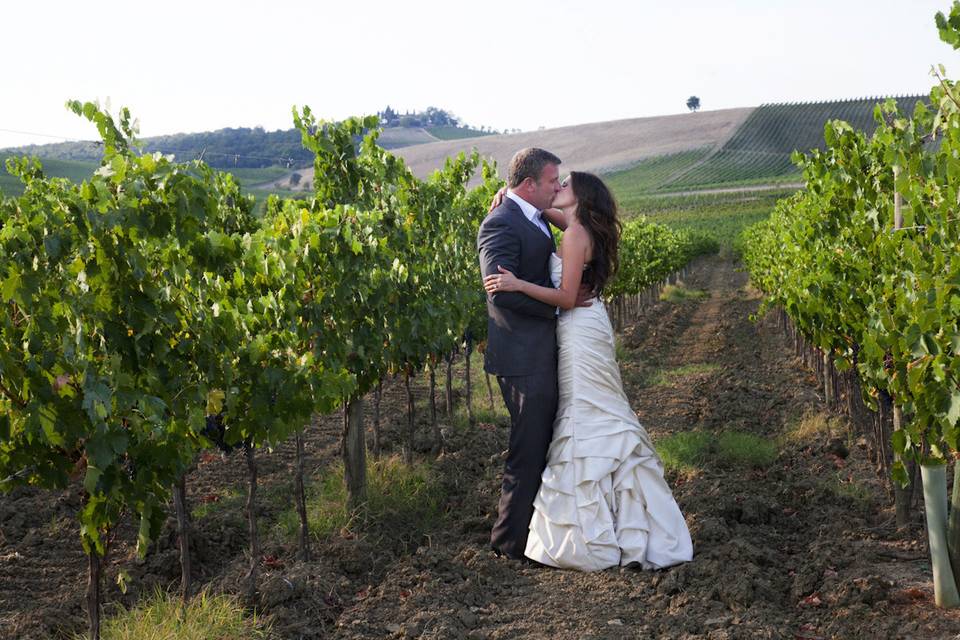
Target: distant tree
388,117
434,117
693,103
295,179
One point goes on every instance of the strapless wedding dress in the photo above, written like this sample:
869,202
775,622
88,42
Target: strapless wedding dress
603,500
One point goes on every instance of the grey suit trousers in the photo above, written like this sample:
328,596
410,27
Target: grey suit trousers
532,402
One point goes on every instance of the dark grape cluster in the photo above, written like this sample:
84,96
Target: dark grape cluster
215,430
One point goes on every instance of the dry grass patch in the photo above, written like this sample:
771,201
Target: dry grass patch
404,502
668,376
850,489
162,617
815,425
680,293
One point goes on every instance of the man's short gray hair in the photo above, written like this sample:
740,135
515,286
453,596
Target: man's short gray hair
529,163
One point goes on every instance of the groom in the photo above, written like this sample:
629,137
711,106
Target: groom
522,336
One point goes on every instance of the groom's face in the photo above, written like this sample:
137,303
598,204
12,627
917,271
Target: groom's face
546,188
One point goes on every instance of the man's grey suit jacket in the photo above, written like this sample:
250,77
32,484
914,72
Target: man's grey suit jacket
521,331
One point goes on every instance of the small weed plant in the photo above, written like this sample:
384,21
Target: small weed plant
404,502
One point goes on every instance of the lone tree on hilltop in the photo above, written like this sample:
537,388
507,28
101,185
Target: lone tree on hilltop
693,103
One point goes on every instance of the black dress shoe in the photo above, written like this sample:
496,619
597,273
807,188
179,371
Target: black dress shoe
534,563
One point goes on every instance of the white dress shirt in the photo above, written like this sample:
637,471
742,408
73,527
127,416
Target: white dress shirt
532,213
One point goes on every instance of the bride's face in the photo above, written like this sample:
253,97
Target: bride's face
566,197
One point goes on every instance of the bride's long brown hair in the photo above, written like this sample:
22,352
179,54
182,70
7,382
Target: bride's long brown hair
597,212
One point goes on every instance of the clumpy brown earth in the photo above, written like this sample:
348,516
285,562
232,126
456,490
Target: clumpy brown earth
803,548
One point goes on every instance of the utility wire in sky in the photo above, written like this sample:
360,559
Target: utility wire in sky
43,135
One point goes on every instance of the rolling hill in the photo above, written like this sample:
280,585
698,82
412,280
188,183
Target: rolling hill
708,150
696,151
599,147
241,147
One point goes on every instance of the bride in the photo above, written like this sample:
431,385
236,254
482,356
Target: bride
603,500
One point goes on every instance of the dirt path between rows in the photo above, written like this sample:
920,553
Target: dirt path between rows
792,551
802,548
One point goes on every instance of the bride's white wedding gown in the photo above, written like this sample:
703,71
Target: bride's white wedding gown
603,501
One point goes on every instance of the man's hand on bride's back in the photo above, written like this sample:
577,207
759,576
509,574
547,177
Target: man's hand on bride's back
497,199
584,296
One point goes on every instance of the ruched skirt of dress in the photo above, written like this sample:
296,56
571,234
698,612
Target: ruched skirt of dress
603,500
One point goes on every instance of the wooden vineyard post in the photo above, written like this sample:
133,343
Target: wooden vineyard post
820,364
437,437
411,425
94,585
252,521
827,380
448,387
377,397
183,535
901,497
467,379
354,452
303,539
882,431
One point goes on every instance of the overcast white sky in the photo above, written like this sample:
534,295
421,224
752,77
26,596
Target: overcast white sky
207,64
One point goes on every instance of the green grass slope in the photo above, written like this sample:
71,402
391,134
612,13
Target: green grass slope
74,170
652,173
243,148
455,133
760,149
399,137
78,171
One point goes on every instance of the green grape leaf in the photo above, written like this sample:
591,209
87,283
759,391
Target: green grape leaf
91,478
953,407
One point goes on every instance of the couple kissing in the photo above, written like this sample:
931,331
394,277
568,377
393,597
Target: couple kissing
582,485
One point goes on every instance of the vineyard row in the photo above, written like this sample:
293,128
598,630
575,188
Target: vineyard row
149,314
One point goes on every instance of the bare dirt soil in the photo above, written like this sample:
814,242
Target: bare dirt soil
804,548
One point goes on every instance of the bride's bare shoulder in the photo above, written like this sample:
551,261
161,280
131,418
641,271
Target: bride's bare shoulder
577,238
577,233
576,230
